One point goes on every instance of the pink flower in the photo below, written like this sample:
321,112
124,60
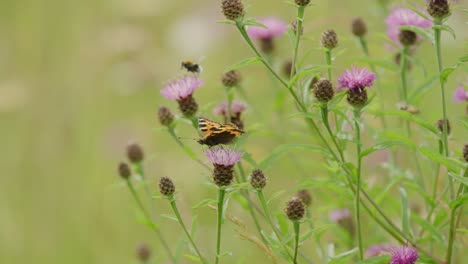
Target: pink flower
404,17
356,79
275,28
223,156
339,215
404,255
460,95
378,249
182,88
237,108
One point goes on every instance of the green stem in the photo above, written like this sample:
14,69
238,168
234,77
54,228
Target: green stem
181,144
221,193
357,116
261,197
230,97
437,35
297,226
181,222
149,221
403,70
299,19
329,63
452,229
324,111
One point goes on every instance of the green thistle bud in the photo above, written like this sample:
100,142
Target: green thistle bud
329,39
295,209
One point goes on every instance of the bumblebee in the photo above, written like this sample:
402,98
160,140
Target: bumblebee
191,66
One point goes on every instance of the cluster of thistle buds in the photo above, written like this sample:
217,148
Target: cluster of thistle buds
135,155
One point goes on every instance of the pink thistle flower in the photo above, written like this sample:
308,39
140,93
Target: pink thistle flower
401,16
356,79
378,249
460,95
237,108
223,156
404,255
339,215
182,88
275,28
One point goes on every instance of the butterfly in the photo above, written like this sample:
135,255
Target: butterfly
215,133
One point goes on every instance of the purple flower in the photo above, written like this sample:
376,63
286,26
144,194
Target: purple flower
339,215
404,17
275,28
378,249
223,156
460,95
237,108
404,255
182,88
356,79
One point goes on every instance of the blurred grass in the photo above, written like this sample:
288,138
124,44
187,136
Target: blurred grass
79,80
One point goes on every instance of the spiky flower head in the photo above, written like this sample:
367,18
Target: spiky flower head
441,125
223,160
404,255
181,90
135,153
231,78
356,79
343,218
143,253
465,152
404,17
275,27
233,9
358,27
329,39
407,37
295,209
166,186
258,179
165,116
377,250
460,95
323,90
305,196
302,2
124,170
438,8
357,98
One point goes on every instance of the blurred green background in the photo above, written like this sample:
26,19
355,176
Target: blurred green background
79,80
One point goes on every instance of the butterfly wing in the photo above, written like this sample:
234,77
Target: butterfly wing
215,133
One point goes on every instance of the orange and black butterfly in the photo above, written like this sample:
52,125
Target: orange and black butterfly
215,133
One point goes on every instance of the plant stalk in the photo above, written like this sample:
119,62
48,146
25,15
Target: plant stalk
221,193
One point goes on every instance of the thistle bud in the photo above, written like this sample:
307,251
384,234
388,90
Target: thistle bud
257,179
124,171
358,27
143,253
323,90
135,153
165,116
465,152
231,78
302,2
304,196
329,39
407,37
441,126
295,209
188,106
166,186
438,8
357,97
233,9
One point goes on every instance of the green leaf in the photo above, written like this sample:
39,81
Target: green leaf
420,91
463,199
462,180
343,257
437,157
193,258
253,22
204,203
306,72
404,212
446,28
275,196
244,63
427,226
425,33
379,146
421,122
226,21
417,11
380,63
283,149
170,217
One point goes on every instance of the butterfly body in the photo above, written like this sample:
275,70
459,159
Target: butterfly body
215,133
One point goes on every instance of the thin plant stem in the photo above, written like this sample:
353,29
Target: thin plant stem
299,20
324,111
182,145
221,193
261,197
312,228
328,57
437,35
357,116
230,97
181,222
149,221
297,226
452,231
